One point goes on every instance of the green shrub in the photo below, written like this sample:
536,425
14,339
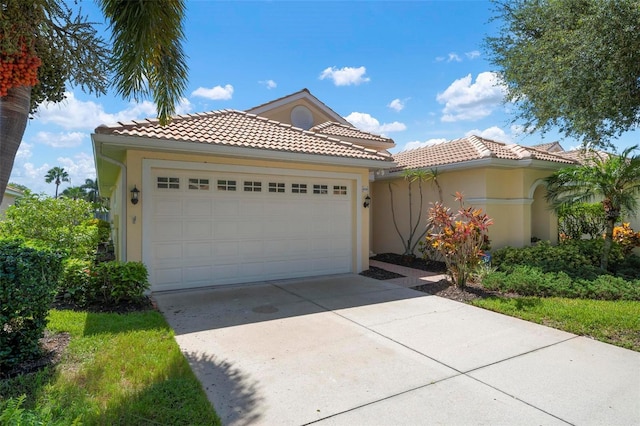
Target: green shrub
532,281
115,282
580,219
28,282
576,258
59,223
104,229
76,281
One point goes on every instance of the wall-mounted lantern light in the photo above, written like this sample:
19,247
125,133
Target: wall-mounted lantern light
367,201
135,194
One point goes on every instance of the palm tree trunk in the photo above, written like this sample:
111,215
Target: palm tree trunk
14,112
608,242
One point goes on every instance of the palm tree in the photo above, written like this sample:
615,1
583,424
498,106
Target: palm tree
75,193
613,179
56,175
63,47
90,187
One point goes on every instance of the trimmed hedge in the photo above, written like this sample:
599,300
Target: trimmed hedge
28,281
107,283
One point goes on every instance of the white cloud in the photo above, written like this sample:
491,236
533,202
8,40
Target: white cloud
465,100
453,57
184,107
345,76
79,167
269,84
417,144
87,115
473,54
61,139
494,133
367,123
217,93
396,105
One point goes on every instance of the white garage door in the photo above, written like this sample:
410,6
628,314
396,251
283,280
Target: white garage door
211,228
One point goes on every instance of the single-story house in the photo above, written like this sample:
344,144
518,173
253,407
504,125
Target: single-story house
291,189
11,194
229,196
505,180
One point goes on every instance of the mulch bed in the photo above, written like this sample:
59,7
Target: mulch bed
442,288
380,274
412,262
471,291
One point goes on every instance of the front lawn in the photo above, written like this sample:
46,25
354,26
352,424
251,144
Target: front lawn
615,322
117,369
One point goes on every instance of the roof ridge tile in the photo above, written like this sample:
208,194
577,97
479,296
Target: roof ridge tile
477,143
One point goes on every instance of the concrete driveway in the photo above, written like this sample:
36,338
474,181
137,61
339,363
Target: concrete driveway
349,350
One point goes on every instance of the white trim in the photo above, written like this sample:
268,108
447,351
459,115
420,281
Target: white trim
147,185
501,201
535,186
303,94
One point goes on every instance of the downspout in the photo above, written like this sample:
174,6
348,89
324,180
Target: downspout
123,194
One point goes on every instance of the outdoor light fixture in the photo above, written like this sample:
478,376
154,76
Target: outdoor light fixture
367,201
134,195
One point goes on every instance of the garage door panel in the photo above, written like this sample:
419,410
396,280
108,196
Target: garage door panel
226,208
215,236
197,207
195,274
225,229
197,230
196,250
168,230
167,206
168,251
167,277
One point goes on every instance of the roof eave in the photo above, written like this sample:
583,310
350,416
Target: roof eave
482,162
167,145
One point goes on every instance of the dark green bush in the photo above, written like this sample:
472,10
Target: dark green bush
28,281
104,229
75,284
576,258
115,282
532,281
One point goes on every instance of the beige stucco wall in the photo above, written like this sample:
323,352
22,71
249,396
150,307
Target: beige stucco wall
134,163
507,195
7,201
282,113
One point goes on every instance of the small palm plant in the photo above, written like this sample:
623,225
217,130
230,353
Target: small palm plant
612,179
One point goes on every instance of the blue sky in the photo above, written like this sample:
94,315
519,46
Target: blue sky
414,71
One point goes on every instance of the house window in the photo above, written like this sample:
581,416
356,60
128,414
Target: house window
276,187
226,185
299,188
320,189
339,190
252,186
168,182
199,184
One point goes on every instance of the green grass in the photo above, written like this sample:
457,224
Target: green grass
615,322
117,369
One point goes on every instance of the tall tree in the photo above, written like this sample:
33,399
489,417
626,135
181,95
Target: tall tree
612,179
44,45
56,175
90,187
571,65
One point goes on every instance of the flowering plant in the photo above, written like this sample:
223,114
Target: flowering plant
460,238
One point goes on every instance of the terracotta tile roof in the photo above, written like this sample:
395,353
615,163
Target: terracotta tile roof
241,129
332,128
581,156
468,149
549,147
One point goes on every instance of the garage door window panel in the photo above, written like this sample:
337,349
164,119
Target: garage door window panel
165,182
